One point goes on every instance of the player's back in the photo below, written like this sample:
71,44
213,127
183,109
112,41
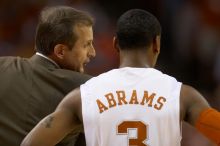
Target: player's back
131,106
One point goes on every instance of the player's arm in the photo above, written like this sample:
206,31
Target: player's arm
53,128
196,111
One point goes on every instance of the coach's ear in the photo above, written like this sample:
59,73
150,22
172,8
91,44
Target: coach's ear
115,43
59,50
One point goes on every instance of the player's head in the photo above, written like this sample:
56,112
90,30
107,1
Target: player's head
65,35
138,30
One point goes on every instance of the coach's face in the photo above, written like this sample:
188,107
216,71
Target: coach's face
82,51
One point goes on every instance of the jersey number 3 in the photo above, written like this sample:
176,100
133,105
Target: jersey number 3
141,130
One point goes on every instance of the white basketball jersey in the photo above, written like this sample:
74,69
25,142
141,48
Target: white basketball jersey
131,107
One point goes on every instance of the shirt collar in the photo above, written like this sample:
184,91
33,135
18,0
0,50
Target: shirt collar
42,55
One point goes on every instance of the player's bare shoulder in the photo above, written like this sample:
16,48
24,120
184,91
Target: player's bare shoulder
72,101
191,103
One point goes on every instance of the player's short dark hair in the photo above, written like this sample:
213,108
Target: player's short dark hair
56,25
136,28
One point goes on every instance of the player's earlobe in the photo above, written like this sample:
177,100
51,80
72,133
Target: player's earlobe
156,44
115,43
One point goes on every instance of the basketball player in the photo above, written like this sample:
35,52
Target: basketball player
135,105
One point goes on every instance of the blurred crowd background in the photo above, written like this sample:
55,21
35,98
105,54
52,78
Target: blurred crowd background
190,49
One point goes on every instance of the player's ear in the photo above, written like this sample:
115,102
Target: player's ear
156,44
115,43
59,50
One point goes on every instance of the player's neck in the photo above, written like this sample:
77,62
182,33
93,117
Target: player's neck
133,65
137,60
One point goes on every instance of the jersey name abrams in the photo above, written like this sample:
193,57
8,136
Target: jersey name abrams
120,99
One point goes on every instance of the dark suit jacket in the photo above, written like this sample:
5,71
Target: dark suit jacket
30,89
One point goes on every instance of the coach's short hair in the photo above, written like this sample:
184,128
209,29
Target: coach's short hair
56,25
136,28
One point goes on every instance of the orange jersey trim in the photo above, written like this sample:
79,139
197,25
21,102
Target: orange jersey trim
208,124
